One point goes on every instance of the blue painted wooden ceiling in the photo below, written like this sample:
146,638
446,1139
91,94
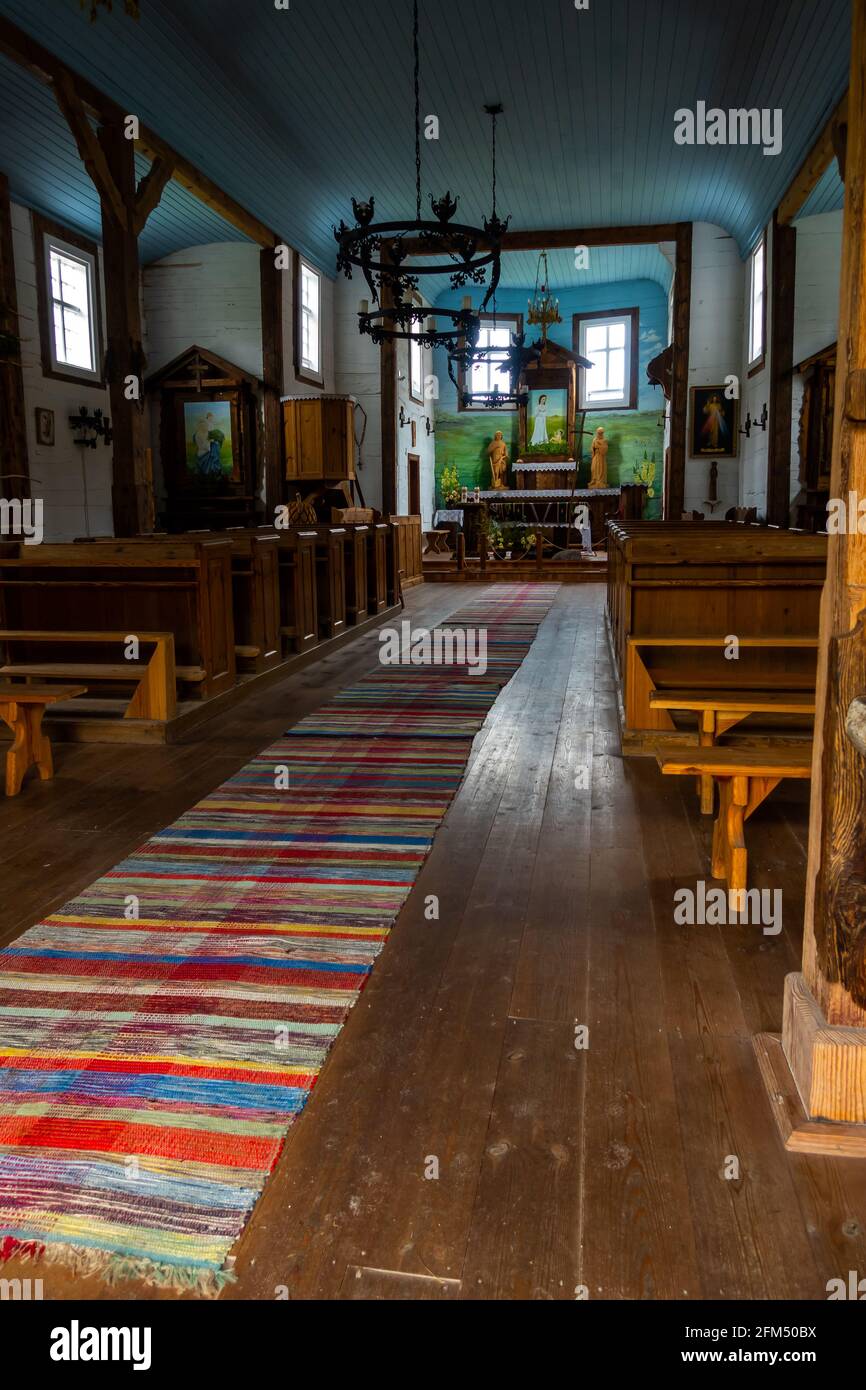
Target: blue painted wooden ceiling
293,111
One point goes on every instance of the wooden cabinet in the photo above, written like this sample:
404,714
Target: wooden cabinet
319,435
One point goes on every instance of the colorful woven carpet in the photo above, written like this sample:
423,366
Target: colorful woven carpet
161,1032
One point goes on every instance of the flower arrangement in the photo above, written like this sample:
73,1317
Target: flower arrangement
645,472
449,483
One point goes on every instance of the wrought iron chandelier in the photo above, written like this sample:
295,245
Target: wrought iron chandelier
542,307
394,256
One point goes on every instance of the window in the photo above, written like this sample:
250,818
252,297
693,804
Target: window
68,290
757,305
308,323
490,372
416,371
610,341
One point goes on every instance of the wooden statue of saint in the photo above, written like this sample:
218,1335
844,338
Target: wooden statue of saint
598,469
497,453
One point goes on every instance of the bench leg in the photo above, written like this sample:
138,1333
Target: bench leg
729,843
40,744
19,756
707,738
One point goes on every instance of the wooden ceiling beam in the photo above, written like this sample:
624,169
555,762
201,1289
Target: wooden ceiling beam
89,148
149,192
830,145
559,238
48,68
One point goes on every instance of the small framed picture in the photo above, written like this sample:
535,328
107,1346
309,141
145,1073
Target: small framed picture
714,432
44,426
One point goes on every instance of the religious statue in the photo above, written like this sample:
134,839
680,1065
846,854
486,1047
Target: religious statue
598,470
498,456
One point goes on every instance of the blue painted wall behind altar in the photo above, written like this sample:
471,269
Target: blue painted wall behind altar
462,437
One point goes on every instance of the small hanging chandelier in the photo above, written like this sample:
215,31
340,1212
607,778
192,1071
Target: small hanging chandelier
542,307
393,256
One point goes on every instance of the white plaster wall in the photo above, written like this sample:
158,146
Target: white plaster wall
356,373
425,446
75,503
714,349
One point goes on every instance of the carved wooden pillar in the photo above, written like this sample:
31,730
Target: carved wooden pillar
14,470
824,1029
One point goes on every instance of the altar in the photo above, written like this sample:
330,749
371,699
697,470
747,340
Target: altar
557,512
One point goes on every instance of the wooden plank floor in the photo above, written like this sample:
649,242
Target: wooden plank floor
458,1144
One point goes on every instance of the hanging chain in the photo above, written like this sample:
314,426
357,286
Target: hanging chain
417,117
494,163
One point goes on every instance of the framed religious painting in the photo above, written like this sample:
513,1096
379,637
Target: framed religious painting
547,415
714,423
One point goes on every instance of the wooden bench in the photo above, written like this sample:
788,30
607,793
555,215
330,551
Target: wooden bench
720,710
745,778
138,585
155,695
22,708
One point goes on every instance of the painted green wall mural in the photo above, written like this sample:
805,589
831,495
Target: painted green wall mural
636,437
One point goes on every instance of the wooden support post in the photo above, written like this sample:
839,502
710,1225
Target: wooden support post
132,489
272,374
675,478
782,380
14,469
824,1027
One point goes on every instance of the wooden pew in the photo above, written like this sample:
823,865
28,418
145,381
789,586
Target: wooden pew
255,588
22,708
356,572
137,586
256,598
685,578
299,621
330,552
378,536
407,552
154,679
745,778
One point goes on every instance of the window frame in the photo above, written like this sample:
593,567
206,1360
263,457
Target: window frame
515,324
45,234
302,372
632,315
414,343
754,365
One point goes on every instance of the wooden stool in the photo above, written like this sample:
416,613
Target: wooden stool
22,708
437,542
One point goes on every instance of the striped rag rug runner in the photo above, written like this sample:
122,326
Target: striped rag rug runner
160,1033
